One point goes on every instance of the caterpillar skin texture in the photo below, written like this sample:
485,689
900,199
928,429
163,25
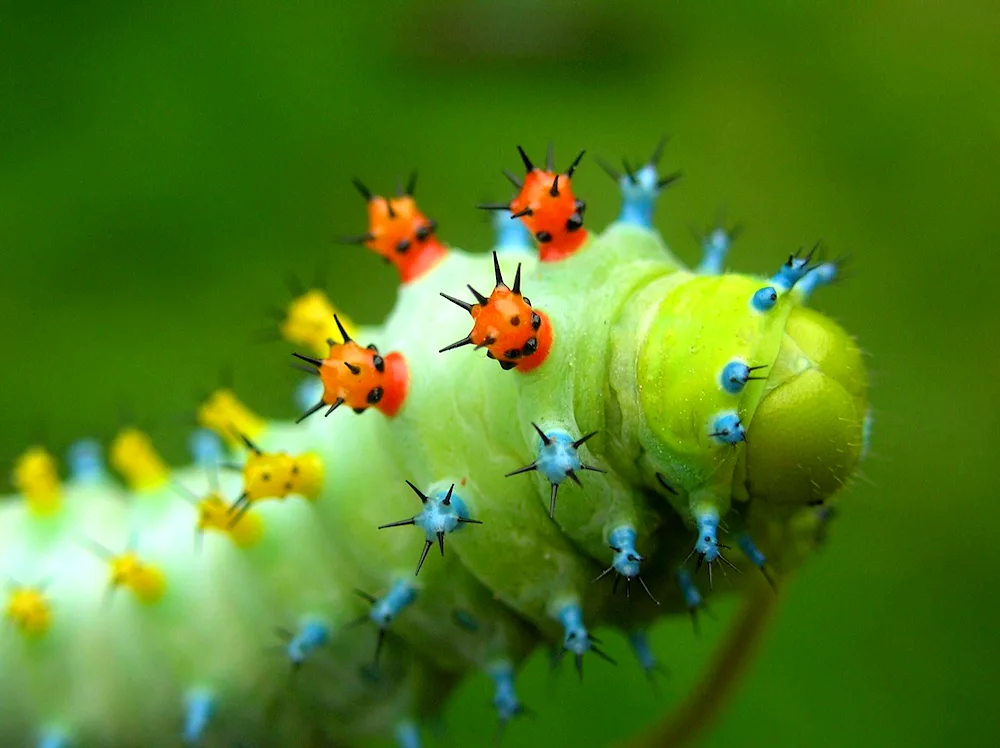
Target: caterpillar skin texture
646,427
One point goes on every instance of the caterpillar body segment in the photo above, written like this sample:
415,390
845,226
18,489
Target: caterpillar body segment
682,419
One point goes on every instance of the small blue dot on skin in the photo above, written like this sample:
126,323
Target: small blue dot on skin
559,458
734,377
765,299
728,429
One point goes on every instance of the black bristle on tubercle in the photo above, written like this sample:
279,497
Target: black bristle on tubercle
411,185
309,412
497,274
343,332
458,302
528,166
554,190
365,192
513,178
576,163
609,170
654,158
358,239
550,156
308,359
493,206
516,288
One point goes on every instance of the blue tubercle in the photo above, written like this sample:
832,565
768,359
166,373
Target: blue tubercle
714,249
199,706
728,429
625,562
401,595
576,638
866,434
206,448
692,597
51,738
505,699
511,235
85,462
558,459
707,545
640,188
444,512
794,270
754,555
310,636
735,375
407,734
765,299
308,392
822,275
644,654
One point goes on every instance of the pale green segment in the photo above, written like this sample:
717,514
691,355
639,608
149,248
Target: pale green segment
703,323
111,670
467,420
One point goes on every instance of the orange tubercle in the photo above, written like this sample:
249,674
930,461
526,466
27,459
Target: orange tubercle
400,233
359,377
550,211
513,332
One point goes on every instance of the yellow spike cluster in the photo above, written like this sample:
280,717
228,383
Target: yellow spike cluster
310,323
275,475
29,611
215,514
133,455
224,414
36,477
143,580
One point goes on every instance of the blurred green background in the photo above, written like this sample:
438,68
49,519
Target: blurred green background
164,168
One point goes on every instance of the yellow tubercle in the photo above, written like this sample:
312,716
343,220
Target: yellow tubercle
133,455
36,476
310,322
29,610
214,513
267,475
224,414
307,475
145,581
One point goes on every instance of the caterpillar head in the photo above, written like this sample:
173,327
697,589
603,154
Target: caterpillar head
774,397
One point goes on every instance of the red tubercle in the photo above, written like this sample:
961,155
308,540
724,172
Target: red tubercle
396,384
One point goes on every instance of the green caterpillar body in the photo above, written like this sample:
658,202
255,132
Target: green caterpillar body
639,344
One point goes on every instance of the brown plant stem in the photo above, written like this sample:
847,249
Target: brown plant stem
730,661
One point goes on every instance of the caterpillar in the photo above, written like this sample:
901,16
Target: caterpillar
585,445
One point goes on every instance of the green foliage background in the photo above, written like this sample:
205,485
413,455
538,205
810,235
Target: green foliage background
164,167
